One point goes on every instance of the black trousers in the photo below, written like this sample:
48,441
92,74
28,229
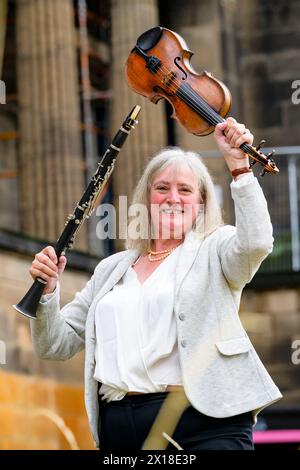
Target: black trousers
126,423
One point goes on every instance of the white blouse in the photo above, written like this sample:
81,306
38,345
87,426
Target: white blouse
136,336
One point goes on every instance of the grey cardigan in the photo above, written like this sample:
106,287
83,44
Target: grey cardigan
221,372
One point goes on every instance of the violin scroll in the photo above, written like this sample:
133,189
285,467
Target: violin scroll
269,166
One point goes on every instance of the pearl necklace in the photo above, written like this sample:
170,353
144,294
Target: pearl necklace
153,255
163,254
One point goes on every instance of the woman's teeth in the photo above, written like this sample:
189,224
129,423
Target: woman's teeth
172,211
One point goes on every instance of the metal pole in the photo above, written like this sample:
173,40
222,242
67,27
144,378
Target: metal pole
294,217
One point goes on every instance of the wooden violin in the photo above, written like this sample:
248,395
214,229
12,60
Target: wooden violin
159,67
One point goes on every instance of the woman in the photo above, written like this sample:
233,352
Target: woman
162,316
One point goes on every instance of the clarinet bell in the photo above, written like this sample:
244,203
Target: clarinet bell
29,304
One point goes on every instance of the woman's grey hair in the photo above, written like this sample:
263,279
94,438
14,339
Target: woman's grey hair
176,157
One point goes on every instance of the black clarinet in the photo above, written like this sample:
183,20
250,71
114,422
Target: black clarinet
83,210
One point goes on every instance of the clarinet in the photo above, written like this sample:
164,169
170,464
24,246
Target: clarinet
83,210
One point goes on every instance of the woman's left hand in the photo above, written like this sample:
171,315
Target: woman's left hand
229,136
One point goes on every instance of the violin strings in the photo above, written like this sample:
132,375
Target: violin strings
209,114
187,96
194,106
214,116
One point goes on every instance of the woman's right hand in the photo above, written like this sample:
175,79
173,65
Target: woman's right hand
45,266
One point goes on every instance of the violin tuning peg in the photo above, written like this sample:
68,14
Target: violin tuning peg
270,155
262,173
260,145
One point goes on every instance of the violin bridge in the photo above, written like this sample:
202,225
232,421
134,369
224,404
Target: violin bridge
169,79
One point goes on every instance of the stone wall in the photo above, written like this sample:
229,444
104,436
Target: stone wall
28,383
272,320
31,410
9,194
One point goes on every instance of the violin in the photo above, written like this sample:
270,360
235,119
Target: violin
159,67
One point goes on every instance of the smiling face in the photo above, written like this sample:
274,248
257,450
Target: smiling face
175,200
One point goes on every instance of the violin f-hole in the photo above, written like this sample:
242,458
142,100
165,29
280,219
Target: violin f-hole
176,60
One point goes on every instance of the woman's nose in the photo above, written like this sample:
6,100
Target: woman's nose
173,196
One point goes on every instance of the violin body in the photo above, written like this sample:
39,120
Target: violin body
159,67
171,48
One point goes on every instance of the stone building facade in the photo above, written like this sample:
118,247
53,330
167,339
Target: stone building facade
252,45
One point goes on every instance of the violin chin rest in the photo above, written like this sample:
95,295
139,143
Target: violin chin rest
149,38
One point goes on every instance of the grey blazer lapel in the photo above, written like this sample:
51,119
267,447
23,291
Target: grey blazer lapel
186,258
119,270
